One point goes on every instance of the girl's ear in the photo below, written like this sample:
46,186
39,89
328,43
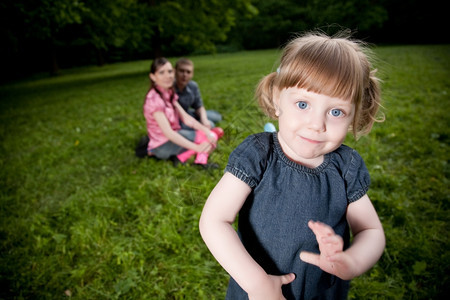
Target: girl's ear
152,77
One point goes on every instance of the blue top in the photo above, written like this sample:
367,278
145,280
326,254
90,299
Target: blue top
285,196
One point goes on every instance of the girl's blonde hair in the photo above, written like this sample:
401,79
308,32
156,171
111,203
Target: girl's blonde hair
335,66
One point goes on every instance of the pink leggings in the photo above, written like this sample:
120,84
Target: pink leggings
202,157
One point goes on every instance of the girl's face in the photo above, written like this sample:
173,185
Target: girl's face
310,124
164,76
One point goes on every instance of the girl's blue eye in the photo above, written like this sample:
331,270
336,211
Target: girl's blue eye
302,104
336,112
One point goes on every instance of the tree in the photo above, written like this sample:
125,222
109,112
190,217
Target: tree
29,23
70,31
362,16
112,24
272,26
279,20
186,26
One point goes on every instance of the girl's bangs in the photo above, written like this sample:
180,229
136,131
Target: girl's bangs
328,71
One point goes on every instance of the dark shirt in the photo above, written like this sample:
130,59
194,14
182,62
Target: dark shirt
285,196
190,97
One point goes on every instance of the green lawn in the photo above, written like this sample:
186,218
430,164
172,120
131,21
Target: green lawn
82,217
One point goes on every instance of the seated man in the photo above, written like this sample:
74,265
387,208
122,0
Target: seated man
189,94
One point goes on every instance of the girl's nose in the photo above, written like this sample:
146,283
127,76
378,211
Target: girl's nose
317,123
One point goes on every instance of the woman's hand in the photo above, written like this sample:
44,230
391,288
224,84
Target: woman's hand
271,290
205,147
332,259
206,123
212,137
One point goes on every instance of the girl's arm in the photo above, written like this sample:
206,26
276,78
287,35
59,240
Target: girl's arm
219,213
367,246
177,138
368,235
193,123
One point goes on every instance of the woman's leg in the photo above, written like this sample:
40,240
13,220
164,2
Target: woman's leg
200,137
165,151
202,157
169,149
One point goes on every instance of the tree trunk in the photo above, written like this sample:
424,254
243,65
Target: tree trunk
100,57
156,37
156,43
54,67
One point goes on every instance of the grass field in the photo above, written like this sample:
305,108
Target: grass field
81,217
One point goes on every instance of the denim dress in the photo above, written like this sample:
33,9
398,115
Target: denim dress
272,224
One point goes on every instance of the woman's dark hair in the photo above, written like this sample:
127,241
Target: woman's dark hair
156,64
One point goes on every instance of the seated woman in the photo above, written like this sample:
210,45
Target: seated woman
163,114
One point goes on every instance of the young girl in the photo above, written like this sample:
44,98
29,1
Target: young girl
163,114
299,191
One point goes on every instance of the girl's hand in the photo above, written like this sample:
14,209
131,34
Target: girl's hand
272,289
332,259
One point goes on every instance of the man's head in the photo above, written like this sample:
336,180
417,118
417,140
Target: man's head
184,71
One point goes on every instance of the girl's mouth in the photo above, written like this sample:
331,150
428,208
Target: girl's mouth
310,141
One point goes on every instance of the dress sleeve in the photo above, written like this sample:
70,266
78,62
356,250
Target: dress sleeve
356,177
248,161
